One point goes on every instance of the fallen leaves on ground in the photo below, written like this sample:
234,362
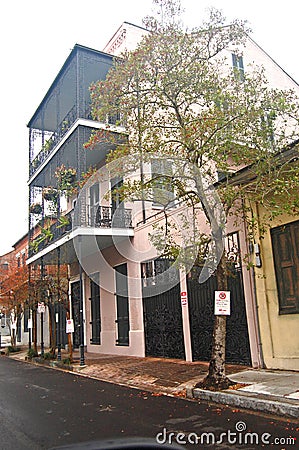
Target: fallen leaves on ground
236,386
181,394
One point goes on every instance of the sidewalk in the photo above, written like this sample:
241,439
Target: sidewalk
271,391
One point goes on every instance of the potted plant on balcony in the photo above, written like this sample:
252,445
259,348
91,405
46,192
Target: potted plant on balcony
86,175
36,208
33,246
46,233
64,224
45,236
65,125
66,179
47,146
50,194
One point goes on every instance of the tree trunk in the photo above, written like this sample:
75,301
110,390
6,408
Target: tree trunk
13,338
216,378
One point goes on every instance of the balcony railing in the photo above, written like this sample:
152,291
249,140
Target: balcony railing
96,217
106,217
55,231
58,134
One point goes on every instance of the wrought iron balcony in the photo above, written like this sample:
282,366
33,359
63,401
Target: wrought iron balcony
107,217
95,217
58,134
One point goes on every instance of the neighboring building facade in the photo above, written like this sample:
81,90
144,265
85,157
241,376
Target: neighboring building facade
277,288
278,294
6,262
15,294
122,303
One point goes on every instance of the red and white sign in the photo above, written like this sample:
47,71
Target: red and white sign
222,303
184,298
41,308
69,326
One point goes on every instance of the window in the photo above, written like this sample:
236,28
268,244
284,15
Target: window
95,310
285,245
94,198
159,271
122,305
26,318
5,266
267,122
238,66
115,119
163,190
116,200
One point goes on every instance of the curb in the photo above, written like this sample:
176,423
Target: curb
242,400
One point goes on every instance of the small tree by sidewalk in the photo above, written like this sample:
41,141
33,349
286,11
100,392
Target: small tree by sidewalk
14,294
51,287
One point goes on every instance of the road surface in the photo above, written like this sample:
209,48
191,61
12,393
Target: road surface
42,408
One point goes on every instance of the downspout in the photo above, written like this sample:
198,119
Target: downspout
256,321
255,304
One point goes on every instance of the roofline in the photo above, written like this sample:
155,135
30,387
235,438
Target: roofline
21,239
63,68
134,25
127,23
273,60
6,256
239,177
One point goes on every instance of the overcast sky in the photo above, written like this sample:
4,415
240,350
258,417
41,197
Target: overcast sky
38,35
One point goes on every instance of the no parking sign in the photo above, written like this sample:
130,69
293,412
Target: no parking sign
222,303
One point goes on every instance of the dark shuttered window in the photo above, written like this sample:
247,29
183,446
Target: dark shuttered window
95,310
285,243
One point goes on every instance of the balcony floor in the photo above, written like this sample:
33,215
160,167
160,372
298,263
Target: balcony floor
87,240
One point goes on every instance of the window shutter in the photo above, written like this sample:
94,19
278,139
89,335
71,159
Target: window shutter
285,243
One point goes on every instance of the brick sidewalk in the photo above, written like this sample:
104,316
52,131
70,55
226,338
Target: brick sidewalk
154,374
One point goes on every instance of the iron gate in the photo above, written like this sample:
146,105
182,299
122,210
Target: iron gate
201,316
163,325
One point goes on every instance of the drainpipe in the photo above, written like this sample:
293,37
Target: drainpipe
257,323
256,318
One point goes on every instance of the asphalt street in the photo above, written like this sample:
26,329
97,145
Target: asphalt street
41,408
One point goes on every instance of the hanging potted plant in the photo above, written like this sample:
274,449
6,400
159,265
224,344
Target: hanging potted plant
66,179
36,208
50,194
